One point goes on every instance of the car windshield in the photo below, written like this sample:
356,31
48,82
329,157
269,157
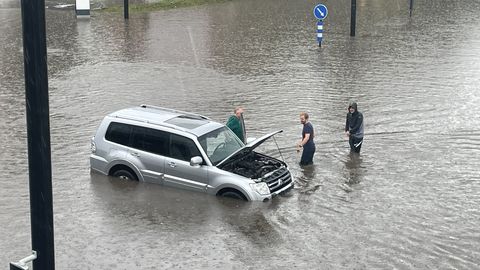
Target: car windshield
219,144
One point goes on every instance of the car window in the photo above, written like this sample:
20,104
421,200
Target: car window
183,148
150,140
118,133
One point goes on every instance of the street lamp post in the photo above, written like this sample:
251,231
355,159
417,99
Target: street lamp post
38,132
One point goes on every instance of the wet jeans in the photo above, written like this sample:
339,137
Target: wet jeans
355,144
307,155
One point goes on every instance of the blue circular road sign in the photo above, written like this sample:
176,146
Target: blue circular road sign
320,11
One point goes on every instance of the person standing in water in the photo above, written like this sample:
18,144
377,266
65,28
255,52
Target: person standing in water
235,123
307,142
354,127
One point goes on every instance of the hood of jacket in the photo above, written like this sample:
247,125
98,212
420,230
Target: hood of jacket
353,105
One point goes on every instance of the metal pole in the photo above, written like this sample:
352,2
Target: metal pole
411,7
38,132
125,9
242,123
353,18
319,32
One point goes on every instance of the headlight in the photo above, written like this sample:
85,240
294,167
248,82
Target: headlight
261,188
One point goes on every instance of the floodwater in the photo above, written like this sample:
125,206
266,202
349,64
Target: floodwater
409,201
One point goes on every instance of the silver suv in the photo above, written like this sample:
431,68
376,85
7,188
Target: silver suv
185,150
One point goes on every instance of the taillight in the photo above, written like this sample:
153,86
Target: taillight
93,147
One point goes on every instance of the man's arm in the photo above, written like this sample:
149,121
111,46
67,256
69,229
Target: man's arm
346,123
305,140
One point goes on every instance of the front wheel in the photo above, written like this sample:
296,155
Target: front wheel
233,194
125,174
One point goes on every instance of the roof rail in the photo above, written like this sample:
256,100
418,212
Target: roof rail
192,115
151,122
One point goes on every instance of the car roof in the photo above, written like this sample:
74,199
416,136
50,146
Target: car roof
185,121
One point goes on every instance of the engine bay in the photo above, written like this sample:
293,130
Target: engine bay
253,165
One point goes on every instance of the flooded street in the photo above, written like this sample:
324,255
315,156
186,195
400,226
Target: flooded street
409,201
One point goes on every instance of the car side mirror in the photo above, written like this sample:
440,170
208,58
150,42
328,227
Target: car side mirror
196,161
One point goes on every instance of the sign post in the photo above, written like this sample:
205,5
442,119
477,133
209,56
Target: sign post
319,32
411,7
353,17
320,12
125,9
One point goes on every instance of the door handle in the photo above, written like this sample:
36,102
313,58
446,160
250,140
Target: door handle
172,164
135,154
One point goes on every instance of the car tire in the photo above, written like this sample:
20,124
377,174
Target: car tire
125,174
233,194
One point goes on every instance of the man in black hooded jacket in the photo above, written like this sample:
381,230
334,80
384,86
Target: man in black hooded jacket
354,127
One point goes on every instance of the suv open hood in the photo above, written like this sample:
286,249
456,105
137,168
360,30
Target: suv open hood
248,147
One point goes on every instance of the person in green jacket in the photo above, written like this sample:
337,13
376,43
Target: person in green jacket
235,123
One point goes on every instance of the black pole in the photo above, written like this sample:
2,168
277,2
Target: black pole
38,132
125,9
353,18
411,7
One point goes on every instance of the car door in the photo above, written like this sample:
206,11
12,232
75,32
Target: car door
150,147
178,171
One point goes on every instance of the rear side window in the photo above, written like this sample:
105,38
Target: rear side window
150,140
118,133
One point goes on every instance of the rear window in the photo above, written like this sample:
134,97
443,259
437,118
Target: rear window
118,133
150,140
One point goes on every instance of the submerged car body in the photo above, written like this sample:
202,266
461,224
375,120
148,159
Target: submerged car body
185,150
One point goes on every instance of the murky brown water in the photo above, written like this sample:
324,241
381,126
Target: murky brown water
410,201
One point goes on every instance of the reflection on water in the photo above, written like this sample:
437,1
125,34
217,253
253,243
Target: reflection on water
409,201
305,182
353,167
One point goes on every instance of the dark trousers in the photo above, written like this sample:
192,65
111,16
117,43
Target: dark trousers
307,155
355,144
